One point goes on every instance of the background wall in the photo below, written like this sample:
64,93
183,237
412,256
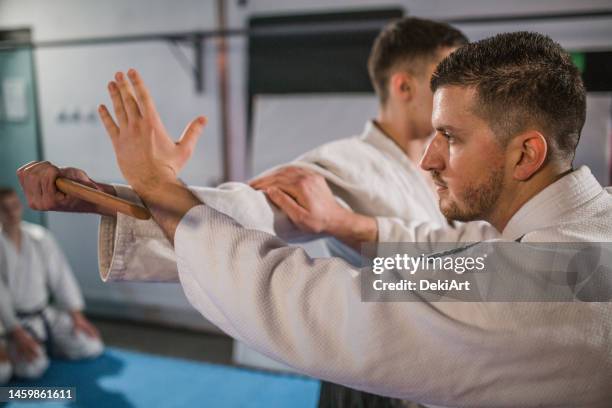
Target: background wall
72,82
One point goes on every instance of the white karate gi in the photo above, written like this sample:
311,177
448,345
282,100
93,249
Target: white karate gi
308,313
27,280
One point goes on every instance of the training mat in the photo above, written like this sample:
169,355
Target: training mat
127,379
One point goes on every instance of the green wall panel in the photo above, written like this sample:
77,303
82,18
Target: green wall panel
19,132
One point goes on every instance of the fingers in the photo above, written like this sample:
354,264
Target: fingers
50,193
91,331
192,133
86,327
120,113
29,349
32,351
142,93
296,213
22,172
286,175
78,175
127,97
288,184
30,189
107,120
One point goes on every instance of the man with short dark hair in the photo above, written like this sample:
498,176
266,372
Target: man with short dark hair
33,269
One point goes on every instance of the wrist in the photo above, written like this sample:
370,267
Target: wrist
168,200
156,182
354,229
339,222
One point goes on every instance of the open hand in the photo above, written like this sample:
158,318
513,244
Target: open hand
145,152
304,196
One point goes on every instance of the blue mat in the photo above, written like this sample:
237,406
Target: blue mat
126,379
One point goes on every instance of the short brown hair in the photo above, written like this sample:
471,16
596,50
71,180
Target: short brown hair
521,79
6,191
408,40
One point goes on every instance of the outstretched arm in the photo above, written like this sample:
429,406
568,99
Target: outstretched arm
308,313
308,201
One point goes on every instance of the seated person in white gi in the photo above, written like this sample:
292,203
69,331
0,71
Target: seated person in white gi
508,112
33,269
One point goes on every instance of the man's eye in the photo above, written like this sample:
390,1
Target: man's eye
450,138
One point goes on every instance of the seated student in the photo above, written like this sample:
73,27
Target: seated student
508,111
33,269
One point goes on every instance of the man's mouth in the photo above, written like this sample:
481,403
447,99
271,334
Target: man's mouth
439,183
440,188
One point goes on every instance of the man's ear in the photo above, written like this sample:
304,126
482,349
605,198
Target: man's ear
528,151
401,86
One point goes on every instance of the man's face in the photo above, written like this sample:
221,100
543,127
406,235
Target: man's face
10,209
421,106
464,158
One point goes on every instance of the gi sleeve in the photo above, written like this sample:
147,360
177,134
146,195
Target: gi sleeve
308,313
60,279
137,250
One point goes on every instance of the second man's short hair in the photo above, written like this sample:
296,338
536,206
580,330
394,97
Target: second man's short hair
408,41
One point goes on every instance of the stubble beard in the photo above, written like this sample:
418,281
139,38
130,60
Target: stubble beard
478,200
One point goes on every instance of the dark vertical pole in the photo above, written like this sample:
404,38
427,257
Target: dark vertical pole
198,51
44,218
224,96
610,144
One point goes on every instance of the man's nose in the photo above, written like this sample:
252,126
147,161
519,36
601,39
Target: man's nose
433,159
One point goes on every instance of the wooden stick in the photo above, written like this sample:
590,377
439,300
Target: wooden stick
102,199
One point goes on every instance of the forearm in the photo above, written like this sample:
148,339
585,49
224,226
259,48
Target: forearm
135,250
168,201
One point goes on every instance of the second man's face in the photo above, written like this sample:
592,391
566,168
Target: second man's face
10,209
464,158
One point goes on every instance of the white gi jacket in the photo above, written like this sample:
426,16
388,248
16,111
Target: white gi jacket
308,313
29,277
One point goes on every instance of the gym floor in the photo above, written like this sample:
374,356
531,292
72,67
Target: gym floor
165,341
